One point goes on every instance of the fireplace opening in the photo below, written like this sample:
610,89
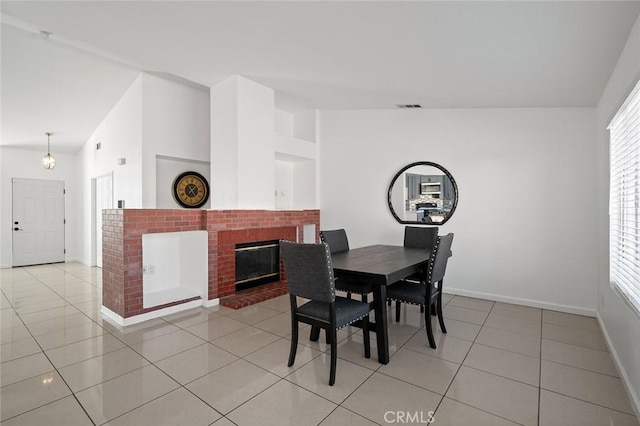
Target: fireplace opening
257,263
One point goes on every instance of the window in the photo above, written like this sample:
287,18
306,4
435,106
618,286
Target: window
624,202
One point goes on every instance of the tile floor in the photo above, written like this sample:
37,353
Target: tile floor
500,364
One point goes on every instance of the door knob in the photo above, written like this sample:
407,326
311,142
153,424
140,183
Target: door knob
17,229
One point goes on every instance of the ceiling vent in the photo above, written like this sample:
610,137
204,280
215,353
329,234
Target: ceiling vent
409,106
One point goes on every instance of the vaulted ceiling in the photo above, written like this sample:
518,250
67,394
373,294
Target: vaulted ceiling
328,55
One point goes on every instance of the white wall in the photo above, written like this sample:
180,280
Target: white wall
167,168
526,218
224,144
175,123
120,135
26,164
284,185
620,324
155,117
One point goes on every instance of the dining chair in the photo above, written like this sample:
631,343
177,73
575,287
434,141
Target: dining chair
429,291
419,237
309,274
422,237
338,243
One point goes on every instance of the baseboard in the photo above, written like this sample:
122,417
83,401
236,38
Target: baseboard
211,302
626,381
5,266
82,261
525,302
123,322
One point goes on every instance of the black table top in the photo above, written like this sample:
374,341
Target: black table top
379,264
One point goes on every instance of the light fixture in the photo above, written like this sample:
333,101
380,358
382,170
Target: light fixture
48,161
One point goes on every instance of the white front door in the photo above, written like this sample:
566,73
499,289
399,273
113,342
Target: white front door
37,221
104,200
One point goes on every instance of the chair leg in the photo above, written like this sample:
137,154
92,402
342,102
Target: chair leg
398,303
434,309
439,310
294,342
364,298
348,295
334,355
427,317
427,325
366,338
315,333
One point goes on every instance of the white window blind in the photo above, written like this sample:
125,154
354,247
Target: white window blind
624,202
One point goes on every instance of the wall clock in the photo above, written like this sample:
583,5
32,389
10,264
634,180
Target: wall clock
191,190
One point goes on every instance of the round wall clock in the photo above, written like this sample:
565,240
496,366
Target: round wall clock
191,190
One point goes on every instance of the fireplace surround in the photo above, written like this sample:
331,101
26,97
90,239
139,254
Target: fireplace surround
122,249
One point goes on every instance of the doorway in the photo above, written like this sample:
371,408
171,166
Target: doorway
37,221
103,199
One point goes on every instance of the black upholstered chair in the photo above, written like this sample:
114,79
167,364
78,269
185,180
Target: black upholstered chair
420,237
338,242
429,291
309,275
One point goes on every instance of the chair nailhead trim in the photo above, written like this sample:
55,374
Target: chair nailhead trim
349,323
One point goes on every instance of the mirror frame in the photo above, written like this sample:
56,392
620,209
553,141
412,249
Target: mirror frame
423,163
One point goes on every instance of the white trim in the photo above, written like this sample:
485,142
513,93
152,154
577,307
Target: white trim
110,315
83,261
211,302
525,302
626,381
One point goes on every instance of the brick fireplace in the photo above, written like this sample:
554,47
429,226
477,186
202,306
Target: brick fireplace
122,250
227,241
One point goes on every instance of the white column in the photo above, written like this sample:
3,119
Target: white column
242,145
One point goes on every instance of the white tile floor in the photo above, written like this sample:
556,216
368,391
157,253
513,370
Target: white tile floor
500,364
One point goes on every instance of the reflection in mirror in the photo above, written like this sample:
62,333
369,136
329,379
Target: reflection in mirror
423,193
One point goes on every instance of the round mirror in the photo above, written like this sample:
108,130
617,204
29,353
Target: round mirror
423,193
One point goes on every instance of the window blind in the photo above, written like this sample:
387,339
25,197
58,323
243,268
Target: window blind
624,201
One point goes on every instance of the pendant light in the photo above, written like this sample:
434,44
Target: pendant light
48,161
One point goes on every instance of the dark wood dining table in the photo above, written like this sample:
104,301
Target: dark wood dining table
380,265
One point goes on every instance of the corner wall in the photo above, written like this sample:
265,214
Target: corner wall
155,117
120,136
620,323
175,124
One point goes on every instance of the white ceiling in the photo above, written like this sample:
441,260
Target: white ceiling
326,54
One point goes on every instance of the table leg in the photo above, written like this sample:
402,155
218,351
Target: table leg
380,311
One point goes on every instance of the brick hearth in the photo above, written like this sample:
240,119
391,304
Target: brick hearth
254,295
122,249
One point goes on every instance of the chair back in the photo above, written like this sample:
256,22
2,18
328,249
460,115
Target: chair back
337,240
438,265
309,270
420,237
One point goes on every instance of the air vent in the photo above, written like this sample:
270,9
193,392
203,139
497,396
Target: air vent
408,106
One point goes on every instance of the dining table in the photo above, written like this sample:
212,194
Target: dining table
380,265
